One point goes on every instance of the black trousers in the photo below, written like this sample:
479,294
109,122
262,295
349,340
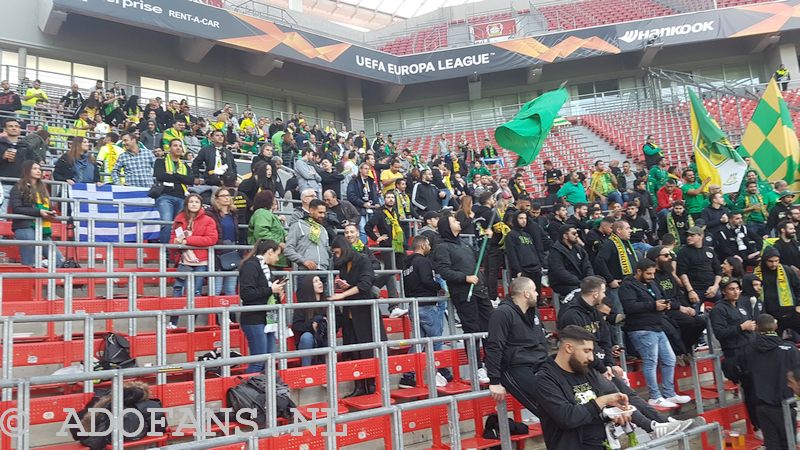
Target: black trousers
683,331
731,372
772,425
788,322
492,263
474,315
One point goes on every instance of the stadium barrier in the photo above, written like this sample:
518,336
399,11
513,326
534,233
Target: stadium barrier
789,407
683,438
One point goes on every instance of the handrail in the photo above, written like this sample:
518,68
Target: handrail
684,437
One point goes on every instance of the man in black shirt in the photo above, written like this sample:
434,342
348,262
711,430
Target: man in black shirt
558,220
699,269
682,323
72,100
13,152
516,346
553,180
640,230
9,101
787,245
596,237
781,211
616,260
568,262
578,220
571,396
781,290
738,240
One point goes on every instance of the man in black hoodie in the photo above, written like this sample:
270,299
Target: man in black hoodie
766,361
516,346
571,396
485,218
455,262
781,289
781,211
419,281
568,262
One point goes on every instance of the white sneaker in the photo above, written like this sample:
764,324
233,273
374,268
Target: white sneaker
441,381
482,376
759,435
686,424
398,312
171,326
662,403
665,428
680,399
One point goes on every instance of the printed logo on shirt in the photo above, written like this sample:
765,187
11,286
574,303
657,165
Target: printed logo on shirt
583,393
709,255
741,310
593,327
666,284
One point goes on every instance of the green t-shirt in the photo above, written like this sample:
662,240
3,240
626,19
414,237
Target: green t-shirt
746,200
694,203
575,193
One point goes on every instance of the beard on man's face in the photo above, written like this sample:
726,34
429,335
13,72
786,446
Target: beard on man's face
577,366
665,266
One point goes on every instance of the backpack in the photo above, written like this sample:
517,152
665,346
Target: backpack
252,393
114,353
217,354
491,429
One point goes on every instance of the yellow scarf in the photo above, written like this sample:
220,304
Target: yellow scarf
397,232
784,293
624,261
314,231
169,166
358,246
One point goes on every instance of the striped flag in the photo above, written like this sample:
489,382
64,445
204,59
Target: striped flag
714,155
133,203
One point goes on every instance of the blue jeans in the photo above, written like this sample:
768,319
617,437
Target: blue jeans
431,324
177,288
642,247
653,347
258,343
614,197
306,342
227,284
27,253
447,195
168,207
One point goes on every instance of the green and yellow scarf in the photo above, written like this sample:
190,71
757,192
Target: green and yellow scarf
760,200
625,263
43,203
784,292
170,167
314,231
397,232
358,246
673,230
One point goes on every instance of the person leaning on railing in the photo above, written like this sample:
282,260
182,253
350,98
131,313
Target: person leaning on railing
29,197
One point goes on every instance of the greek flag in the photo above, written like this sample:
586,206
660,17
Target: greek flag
129,203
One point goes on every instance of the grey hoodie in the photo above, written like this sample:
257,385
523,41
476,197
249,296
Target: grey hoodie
299,247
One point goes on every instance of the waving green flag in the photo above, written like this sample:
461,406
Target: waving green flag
526,132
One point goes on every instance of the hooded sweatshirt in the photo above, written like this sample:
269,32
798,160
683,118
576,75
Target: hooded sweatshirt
769,280
750,302
454,261
766,361
418,278
523,256
726,321
515,339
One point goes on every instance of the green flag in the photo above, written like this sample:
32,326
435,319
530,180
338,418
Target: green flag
526,132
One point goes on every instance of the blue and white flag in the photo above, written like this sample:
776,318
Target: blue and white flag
129,203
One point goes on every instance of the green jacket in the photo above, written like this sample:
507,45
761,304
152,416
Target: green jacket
657,178
266,225
473,171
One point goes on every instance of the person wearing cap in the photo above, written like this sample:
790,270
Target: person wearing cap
765,361
568,262
676,222
699,269
780,289
682,323
734,331
781,211
644,307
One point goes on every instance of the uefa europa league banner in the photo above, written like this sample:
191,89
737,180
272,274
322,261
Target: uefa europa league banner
241,31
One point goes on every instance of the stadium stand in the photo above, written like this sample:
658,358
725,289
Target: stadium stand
590,13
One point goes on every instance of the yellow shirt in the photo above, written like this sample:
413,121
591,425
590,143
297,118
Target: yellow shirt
108,156
387,175
246,122
33,101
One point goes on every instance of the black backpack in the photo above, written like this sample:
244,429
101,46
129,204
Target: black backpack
491,429
115,353
252,393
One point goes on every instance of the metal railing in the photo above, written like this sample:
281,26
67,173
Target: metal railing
88,378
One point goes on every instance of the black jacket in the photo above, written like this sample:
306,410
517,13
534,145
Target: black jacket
425,197
567,267
725,322
779,213
380,221
771,300
594,240
356,194
790,252
700,265
454,261
361,275
766,360
640,231
725,241
178,180
578,312
639,305
63,171
523,256
711,218
19,205
332,181
14,169
254,289
515,339
606,263
563,419
553,228
418,278
206,160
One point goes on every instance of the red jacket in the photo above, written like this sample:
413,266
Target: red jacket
204,233
665,200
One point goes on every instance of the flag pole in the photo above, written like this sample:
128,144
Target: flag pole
481,254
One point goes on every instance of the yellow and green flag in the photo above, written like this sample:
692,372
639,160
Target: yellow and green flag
770,140
713,153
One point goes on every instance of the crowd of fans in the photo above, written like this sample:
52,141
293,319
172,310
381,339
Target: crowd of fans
639,245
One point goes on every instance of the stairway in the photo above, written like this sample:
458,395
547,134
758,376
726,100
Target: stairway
600,148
